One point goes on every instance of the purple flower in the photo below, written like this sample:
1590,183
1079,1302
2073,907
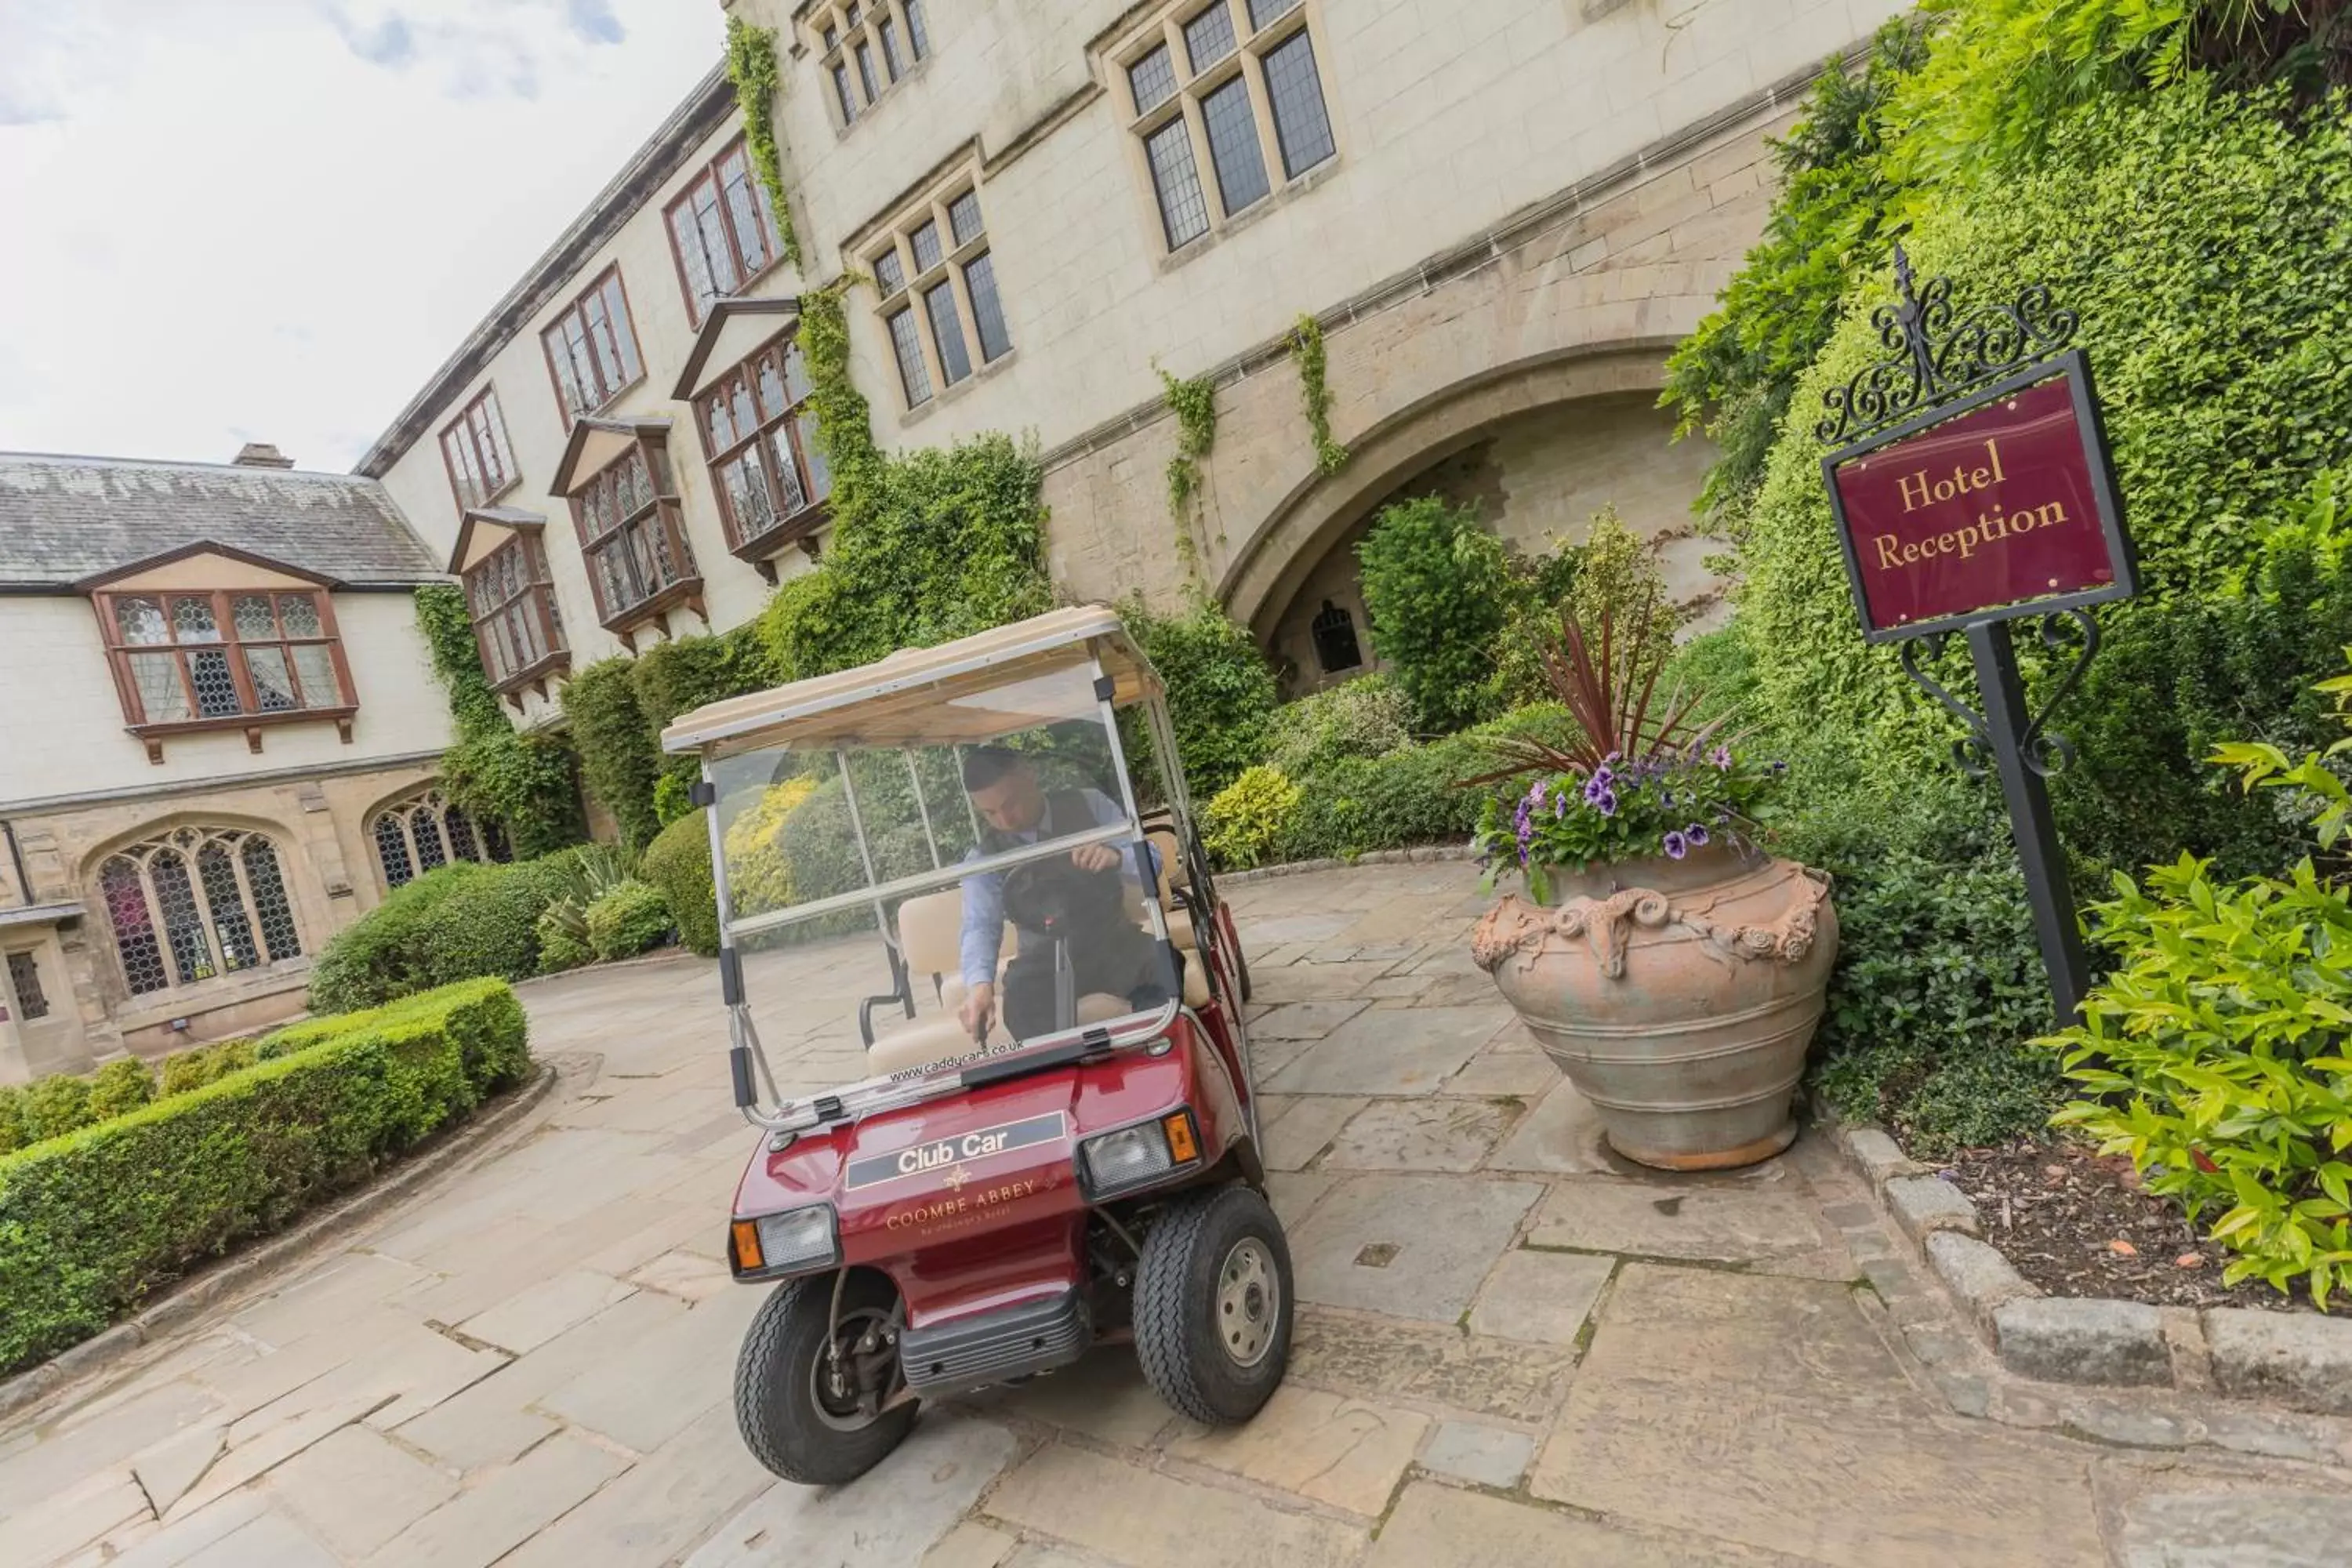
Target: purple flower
1594,788
1667,800
1560,803
1535,792
1780,767
1721,757
1676,846
1697,834
1606,803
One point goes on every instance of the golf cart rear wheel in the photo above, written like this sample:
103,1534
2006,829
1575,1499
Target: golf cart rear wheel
800,1417
1212,1304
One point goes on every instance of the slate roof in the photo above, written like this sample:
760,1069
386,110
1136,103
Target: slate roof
64,519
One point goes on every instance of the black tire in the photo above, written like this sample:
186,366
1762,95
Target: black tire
776,1401
1240,968
1183,1339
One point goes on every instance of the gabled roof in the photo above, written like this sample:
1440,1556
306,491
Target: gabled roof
732,330
200,547
66,520
599,440
495,524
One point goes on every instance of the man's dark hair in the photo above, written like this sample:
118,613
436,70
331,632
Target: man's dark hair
985,765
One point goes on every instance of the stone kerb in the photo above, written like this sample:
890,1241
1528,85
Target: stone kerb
2301,1361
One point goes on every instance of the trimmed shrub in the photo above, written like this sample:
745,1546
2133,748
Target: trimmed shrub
757,877
1220,693
121,1088
15,1131
560,947
94,1223
678,863
627,921
191,1069
456,922
1409,797
1368,717
1438,588
1248,816
56,1106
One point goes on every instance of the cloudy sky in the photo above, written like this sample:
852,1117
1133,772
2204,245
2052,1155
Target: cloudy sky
234,220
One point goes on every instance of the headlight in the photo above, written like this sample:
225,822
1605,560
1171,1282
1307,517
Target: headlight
1139,1155
785,1243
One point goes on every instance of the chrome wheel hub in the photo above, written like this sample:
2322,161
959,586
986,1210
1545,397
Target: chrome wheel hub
1249,1302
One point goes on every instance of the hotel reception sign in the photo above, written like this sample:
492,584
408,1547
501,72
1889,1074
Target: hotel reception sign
2000,505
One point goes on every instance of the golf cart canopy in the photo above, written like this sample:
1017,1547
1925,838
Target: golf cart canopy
967,692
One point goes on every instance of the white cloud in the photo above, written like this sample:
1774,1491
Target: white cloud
272,219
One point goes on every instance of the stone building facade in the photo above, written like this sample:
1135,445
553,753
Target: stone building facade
218,736
1503,215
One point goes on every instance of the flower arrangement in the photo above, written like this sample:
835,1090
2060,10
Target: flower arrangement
1632,783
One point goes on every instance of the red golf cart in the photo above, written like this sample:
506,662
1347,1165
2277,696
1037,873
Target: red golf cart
983,1207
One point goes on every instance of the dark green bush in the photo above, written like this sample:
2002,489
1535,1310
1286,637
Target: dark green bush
680,676
627,921
94,1223
1367,716
457,922
1438,589
678,863
1938,981
1221,692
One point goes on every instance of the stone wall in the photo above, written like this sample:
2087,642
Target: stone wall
318,826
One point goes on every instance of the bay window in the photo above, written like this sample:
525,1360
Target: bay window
225,658
760,436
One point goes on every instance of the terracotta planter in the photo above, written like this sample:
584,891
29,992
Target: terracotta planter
1677,996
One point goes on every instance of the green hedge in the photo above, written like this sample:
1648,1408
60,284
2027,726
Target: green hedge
627,921
2204,241
457,922
93,1223
1221,692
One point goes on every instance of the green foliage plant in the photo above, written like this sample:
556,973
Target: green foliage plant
455,922
2201,236
193,1069
525,782
2216,1048
1617,580
1194,404
578,879
752,67
1308,354
618,758
678,863
1437,587
627,921
1367,716
1220,693
120,1088
561,945
1245,819
92,1224
57,1105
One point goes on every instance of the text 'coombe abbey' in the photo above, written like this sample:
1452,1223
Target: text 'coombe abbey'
1995,527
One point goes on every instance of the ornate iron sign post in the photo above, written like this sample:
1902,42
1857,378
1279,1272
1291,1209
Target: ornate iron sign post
1974,489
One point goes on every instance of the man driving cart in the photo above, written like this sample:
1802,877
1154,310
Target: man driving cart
1076,934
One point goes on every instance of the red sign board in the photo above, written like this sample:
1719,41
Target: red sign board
2007,504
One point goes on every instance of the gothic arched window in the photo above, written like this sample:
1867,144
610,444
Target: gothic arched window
194,903
425,831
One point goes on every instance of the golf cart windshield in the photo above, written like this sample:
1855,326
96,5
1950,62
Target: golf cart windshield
971,807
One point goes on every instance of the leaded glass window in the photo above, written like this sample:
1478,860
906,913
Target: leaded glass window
185,656
196,903
416,835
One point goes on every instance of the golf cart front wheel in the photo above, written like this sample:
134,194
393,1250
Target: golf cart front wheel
1213,1305
797,1402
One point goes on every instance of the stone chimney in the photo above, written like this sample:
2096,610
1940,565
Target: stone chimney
261,455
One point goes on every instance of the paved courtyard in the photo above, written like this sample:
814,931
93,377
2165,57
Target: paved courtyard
1513,1348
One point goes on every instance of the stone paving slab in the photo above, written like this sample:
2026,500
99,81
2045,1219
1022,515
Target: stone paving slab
1433,1134
1349,1453
1411,1247
1542,1297
1772,1226
1438,1527
1391,1050
1147,1519
1445,1367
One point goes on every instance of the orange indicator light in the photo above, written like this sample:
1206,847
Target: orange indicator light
1181,1146
747,1246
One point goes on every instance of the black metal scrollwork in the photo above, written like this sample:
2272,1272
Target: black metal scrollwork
1931,359
2041,748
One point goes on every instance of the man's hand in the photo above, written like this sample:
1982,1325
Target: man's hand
1094,857
979,1009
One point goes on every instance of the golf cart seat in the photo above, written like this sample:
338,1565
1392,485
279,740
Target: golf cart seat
930,941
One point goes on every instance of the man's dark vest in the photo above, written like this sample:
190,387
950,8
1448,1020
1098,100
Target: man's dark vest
1085,903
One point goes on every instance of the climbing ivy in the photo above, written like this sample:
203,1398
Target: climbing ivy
844,429
525,780
1306,353
1194,404
618,757
752,67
